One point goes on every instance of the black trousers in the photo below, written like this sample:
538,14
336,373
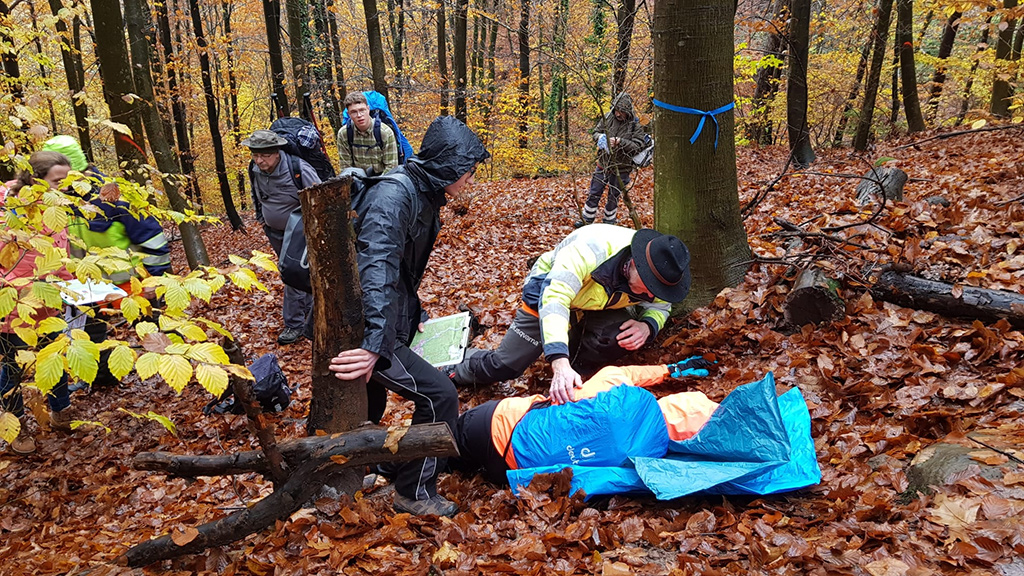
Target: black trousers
435,399
476,450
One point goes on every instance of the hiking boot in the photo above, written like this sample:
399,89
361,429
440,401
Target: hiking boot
436,505
25,443
613,221
582,222
62,420
289,335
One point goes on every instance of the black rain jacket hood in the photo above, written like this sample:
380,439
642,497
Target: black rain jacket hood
449,150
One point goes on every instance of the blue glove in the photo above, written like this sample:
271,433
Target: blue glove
602,142
693,366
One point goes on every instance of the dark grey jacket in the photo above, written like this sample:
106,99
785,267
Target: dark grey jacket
629,132
397,221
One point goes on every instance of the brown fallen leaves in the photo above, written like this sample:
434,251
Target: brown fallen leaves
882,384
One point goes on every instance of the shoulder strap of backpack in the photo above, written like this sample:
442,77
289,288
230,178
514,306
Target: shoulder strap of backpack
349,133
295,169
376,132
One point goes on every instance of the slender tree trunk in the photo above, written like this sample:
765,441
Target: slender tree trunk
116,72
695,185
1018,43
140,29
459,59
36,33
236,125
336,56
939,76
272,19
625,15
894,108
796,88
76,39
323,69
76,84
908,69
851,99
965,103
523,35
492,46
297,12
759,128
474,57
1001,90
10,57
442,56
377,66
178,112
867,110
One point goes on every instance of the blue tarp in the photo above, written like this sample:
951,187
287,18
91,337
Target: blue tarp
754,443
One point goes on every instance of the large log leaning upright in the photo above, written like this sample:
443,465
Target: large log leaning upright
336,406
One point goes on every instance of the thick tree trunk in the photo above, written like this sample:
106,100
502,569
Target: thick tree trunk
459,59
948,299
939,76
814,299
1001,90
695,185
766,79
76,84
867,109
297,12
796,88
337,311
272,19
523,36
138,24
851,99
178,112
625,16
377,66
908,69
213,117
116,71
349,451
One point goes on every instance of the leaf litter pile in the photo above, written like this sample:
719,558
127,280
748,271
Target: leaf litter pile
883,385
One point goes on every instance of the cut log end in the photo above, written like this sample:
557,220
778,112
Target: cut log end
814,299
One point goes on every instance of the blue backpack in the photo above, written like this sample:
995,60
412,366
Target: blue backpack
606,430
380,112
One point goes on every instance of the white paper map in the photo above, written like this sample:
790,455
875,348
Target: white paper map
443,340
78,293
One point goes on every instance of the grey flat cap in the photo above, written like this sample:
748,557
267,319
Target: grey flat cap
263,140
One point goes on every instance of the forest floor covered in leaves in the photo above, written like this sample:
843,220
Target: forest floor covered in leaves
882,385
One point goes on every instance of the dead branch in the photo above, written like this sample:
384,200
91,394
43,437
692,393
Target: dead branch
961,133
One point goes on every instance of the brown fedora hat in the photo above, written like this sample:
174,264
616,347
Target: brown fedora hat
663,262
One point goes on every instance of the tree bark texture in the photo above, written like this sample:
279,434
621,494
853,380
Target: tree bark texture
323,69
442,57
10,58
178,114
867,109
213,117
814,299
766,79
76,84
459,59
116,72
885,181
236,125
1001,90
523,36
138,23
908,69
851,99
336,56
625,16
378,69
939,76
337,304
272,19
939,297
695,186
349,451
297,12
796,88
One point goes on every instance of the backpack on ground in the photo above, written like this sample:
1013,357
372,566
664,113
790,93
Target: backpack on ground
270,388
380,112
294,260
645,156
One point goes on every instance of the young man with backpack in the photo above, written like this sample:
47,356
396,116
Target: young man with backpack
398,218
277,178
365,141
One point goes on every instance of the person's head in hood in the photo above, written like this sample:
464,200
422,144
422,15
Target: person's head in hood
448,157
622,107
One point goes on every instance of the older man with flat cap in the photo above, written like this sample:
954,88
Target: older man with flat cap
602,292
275,195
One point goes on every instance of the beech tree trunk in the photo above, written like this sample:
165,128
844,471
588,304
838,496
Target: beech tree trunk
10,57
380,83
459,59
76,83
796,88
867,109
766,79
908,70
442,57
1001,90
523,36
949,300
297,12
625,16
862,67
272,19
336,55
213,117
939,76
116,72
695,185
178,112
323,69
236,125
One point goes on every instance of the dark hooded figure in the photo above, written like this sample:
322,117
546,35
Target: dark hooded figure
619,137
398,219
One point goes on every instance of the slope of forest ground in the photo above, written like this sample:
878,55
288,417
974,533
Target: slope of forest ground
881,384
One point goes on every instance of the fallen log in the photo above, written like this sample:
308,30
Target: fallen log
814,299
948,299
347,450
885,181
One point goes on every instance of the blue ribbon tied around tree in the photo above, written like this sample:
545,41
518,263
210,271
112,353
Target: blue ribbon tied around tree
704,115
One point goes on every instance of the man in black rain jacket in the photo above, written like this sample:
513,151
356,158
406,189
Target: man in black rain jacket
398,219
